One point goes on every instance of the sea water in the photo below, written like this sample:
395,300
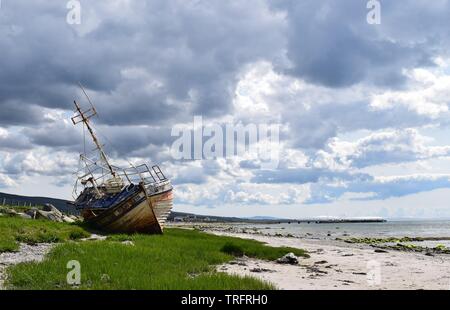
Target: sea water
429,228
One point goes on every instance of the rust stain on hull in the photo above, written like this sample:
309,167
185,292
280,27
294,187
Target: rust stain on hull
131,217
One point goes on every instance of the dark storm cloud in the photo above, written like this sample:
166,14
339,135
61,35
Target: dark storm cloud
149,65
132,139
189,52
313,127
13,112
379,189
331,43
13,165
193,49
54,136
14,142
305,175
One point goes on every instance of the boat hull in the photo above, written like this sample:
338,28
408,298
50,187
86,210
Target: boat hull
138,214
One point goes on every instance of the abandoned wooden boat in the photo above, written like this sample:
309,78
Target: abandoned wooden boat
137,199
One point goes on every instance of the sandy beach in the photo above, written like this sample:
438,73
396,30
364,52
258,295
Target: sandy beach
339,265
333,263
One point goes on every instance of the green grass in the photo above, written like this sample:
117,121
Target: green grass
8,244
179,259
233,249
14,230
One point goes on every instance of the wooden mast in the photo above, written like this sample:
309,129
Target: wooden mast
84,117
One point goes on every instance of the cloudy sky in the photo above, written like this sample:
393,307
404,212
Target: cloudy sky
363,108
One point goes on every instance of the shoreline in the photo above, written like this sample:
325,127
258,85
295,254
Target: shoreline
333,263
336,265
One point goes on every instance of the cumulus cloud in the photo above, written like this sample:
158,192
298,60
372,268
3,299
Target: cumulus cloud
12,140
155,56
384,147
305,175
6,181
327,38
380,187
312,114
348,96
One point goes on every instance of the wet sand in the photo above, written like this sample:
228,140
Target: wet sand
339,265
333,264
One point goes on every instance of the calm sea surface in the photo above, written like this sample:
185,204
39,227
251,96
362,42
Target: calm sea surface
347,230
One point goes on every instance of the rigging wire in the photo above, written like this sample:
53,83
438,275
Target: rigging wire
105,137
84,139
114,146
125,158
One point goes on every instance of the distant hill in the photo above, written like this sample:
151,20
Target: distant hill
263,218
202,218
190,217
64,206
60,204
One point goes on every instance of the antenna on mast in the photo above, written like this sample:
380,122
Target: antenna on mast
84,117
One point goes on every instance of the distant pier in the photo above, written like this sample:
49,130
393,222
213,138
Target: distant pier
326,221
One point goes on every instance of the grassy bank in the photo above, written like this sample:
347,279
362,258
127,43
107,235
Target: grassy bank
179,259
14,230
